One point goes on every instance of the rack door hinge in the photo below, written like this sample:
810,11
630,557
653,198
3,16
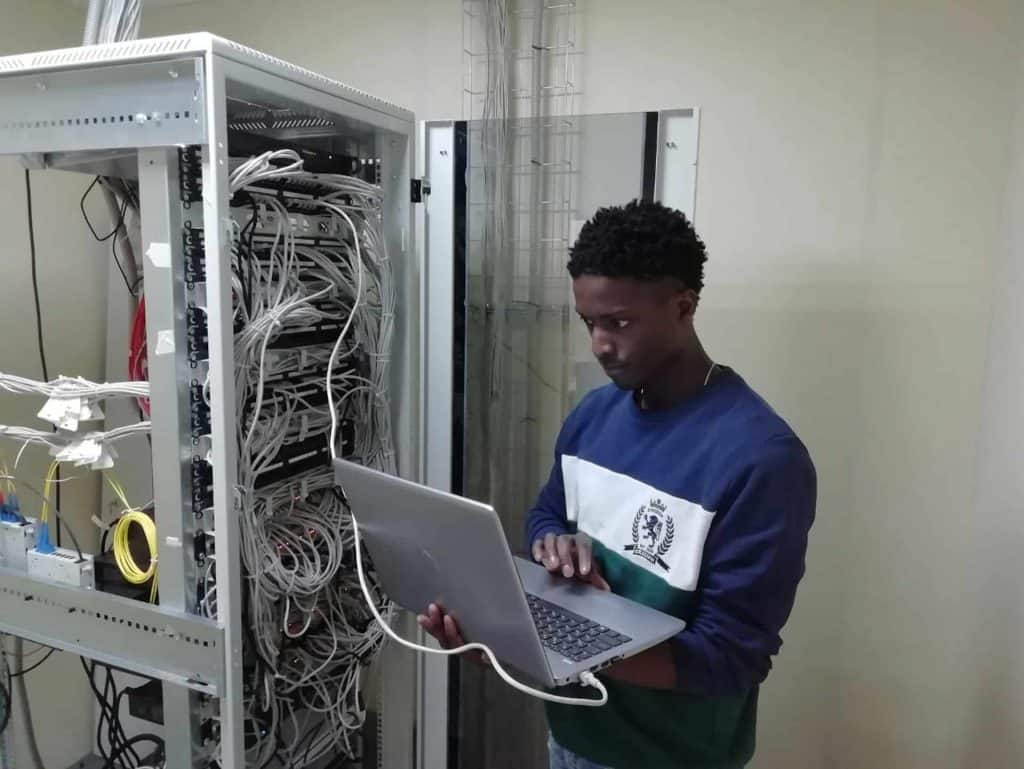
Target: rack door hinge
420,189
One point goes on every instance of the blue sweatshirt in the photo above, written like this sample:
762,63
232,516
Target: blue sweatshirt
701,511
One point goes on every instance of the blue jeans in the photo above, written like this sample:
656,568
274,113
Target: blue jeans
566,759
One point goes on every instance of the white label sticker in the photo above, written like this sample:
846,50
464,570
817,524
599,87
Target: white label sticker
91,412
104,461
164,342
82,452
159,254
62,412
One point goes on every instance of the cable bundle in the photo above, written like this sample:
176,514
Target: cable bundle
64,440
314,320
66,387
110,21
112,742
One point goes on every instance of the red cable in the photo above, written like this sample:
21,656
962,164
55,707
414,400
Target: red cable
138,371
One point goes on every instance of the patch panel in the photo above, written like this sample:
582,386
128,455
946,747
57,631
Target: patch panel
63,566
16,539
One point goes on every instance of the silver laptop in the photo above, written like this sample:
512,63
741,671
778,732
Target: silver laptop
429,547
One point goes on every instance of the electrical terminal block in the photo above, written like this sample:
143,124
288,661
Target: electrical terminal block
17,537
63,566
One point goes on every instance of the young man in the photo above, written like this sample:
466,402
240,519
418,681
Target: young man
676,486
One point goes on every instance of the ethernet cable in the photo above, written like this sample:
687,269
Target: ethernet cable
587,679
290,563
294,540
61,440
67,387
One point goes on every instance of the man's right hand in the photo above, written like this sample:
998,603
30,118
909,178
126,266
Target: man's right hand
442,626
571,556
445,629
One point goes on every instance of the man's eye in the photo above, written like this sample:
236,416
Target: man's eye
620,324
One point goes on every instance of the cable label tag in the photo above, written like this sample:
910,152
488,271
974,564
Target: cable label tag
64,412
159,254
91,412
105,461
83,452
164,342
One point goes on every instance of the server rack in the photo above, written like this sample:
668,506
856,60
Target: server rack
161,110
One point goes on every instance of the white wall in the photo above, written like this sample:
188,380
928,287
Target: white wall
405,51
72,280
993,680
852,192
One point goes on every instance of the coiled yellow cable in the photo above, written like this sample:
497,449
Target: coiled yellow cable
126,564
123,554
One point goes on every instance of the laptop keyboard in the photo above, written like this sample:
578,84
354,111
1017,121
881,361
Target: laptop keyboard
569,634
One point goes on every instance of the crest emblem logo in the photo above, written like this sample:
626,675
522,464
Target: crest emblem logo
653,533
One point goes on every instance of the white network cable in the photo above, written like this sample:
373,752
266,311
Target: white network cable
588,679
111,21
67,387
261,167
61,440
311,632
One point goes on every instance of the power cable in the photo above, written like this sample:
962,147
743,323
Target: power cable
26,671
38,305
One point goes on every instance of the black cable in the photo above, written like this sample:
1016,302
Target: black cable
85,216
112,235
39,311
120,269
26,671
129,744
109,714
35,277
5,695
7,686
101,700
311,740
60,519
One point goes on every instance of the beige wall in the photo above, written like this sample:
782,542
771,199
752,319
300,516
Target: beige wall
851,190
853,193
993,676
72,280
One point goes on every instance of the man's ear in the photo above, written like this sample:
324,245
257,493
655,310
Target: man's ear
686,303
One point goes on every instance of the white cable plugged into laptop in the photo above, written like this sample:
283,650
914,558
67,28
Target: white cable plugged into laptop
587,678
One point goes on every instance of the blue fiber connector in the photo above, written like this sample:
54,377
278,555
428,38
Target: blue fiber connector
10,511
43,544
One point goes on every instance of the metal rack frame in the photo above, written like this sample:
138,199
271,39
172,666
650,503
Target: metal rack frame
126,109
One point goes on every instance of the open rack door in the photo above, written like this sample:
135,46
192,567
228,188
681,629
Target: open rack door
504,360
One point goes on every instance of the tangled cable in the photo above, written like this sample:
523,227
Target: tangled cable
307,310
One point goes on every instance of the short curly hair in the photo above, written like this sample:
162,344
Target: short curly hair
641,240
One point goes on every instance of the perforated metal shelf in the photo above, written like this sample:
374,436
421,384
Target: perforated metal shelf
175,647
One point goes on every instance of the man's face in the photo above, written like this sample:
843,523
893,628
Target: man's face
636,327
